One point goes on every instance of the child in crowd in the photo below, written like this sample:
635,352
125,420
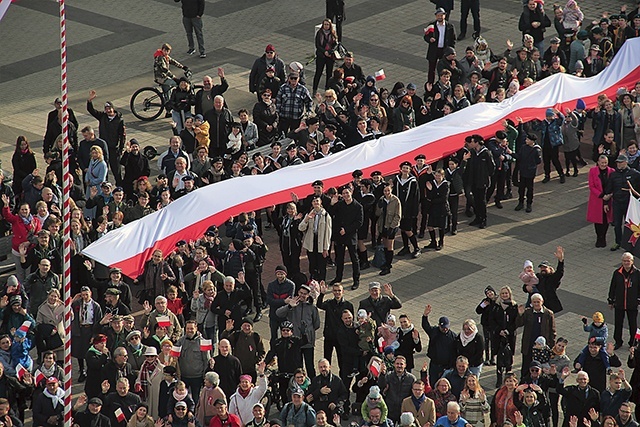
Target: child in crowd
235,140
484,309
541,352
530,280
201,129
20,350
366,331
585,352
389,333
374,400
598,328
572,16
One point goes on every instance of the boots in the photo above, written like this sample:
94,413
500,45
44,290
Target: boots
441,241
433,244
386,268
364,261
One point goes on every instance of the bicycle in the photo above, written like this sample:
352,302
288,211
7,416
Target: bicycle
272,396
148,103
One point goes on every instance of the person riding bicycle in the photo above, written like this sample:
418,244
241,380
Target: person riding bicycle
287,351
161,73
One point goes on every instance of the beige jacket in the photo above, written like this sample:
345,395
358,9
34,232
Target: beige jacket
324,231
427,412
394,213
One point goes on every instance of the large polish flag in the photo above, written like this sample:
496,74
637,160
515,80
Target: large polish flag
4,6
188,218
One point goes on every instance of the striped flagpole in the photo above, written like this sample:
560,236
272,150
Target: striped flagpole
66,242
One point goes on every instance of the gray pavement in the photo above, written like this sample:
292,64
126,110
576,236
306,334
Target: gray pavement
110,49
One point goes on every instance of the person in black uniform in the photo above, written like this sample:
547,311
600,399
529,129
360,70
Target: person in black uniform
348,218
290,238
479,169
377,187
453,174
423,173
406,189
438,194
366,198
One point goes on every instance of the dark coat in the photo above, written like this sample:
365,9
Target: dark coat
409,195
112,131
577,402
480,168
473,350
191,8
380,308
449,39
408,347
220,127
338,394
229,369
348,216
442,346
95,368
548,285
547,328
231,302
528,17
623,290
127,404
87,419
529,157
333,314
259,70
265,115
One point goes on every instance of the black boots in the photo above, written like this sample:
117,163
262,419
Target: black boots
386,268
364,261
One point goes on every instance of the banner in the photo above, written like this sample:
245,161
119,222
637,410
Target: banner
4,6
187,218
631,230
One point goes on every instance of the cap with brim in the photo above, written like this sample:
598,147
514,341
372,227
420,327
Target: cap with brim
114,270
544,264
374,285
554,40
622,158
181,242
181,404
317,183
95,401
376,173
52,380
108,104
133,334
535,364
297,391
420,157
85,289
57,101
128,318
440,11
405,163
219,402
134,141
595,48
15,300
444,322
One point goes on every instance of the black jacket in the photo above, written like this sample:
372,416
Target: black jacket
380,308
529,157
528,17
333,314
191,8
127,404
617,184
408,347
215,91
578,402
409,195
442,346
220,128
259,70
348,216
87,419
449,39
289,353
473,351
135,166
623,290
547,286
480,168
338,394
112,131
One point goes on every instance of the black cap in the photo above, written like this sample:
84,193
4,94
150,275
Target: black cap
187,178
181,242
405,163
210,233
171,370
312,121
219,402
95,401
532,136
216,159
376,173
317,182
356,173
420,156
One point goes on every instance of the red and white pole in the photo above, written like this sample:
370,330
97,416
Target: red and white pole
66,242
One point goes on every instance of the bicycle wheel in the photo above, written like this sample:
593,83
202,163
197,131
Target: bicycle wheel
147,104
266,402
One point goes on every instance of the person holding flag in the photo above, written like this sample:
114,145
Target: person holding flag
161,316
193,361
120,404
623,298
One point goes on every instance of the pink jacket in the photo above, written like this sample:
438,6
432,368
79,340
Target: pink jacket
596,204
21,231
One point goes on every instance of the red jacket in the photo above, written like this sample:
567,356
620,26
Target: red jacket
232,421
21,231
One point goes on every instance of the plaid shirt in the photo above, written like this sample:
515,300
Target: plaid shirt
293,101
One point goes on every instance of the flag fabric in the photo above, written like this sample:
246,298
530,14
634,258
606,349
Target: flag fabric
20,371
175,351
25,326
429,30
206,345
163,321
130,246
39,376
375,366
4,5
631,230
637,334
379,75
119,415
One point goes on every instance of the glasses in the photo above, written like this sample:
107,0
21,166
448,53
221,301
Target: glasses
266,95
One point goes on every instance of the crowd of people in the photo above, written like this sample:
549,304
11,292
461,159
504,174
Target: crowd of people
193,359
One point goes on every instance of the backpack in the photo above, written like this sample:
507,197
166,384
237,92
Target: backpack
379,259
505,355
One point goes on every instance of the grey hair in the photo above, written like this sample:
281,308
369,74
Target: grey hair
213,378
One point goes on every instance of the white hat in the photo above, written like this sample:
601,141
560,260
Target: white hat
528,263
151,351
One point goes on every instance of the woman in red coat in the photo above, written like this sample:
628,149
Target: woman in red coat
24,225
599,211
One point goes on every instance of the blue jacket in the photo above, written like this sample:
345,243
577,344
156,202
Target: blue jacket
529,157
555,130
444,421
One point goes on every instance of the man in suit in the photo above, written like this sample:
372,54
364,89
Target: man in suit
538,321
439,34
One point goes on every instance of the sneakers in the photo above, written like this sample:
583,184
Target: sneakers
203,55
415,254
191,51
